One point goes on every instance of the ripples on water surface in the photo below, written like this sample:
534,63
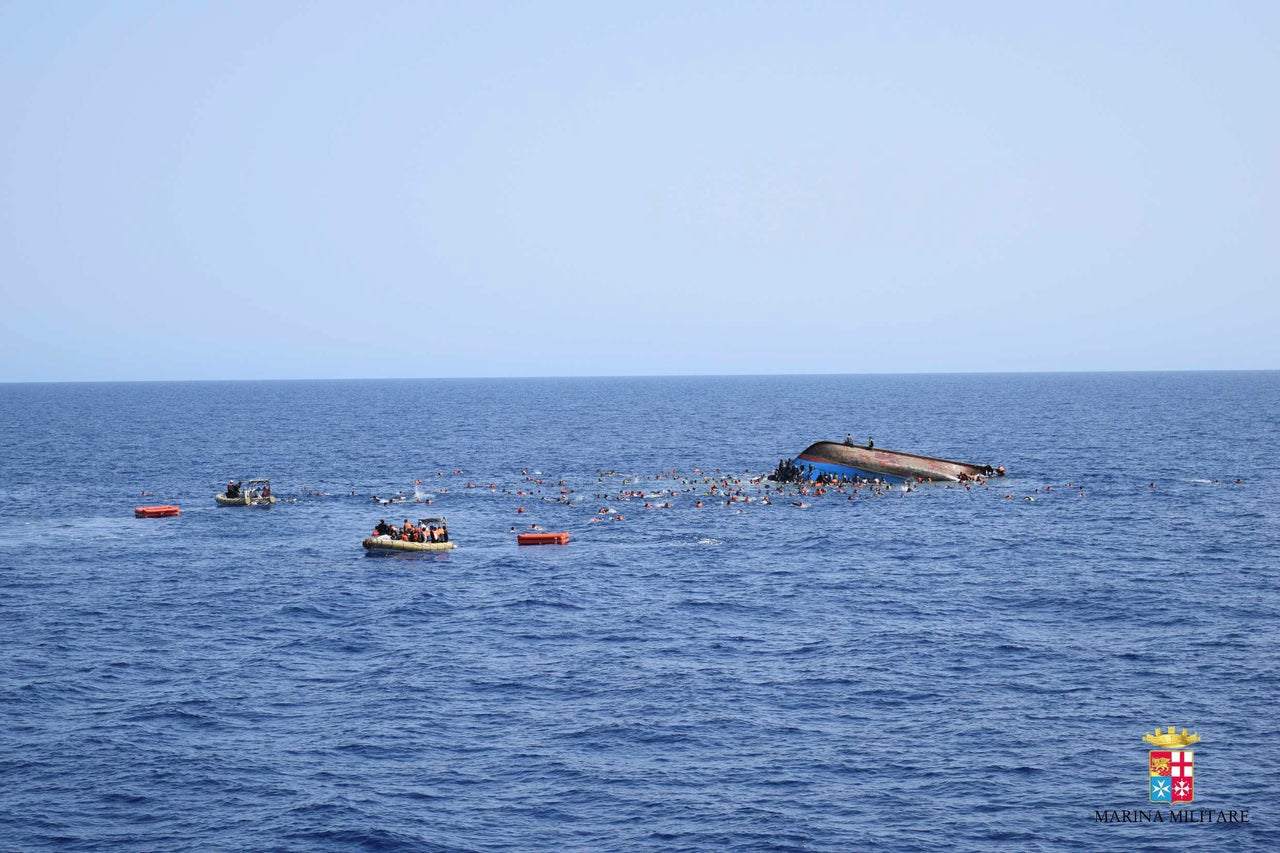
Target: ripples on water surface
927,671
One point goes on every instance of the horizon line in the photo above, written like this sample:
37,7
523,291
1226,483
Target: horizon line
644,376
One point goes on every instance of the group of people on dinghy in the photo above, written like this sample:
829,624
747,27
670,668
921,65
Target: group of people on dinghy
411,532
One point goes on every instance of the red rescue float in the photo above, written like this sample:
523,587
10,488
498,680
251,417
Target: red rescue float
155,511
560,538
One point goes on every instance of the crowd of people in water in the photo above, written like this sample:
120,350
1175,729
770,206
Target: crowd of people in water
422,532
792,482
789,472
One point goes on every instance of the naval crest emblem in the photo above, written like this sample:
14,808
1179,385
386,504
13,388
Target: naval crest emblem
1171,769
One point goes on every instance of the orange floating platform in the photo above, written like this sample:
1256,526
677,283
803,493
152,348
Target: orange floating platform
542,538
155,511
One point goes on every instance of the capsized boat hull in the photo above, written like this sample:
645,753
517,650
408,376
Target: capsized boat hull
386,543
845,460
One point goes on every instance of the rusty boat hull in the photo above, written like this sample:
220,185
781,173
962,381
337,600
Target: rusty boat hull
835,458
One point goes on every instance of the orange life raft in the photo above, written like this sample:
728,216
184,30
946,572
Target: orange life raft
542,538
155,511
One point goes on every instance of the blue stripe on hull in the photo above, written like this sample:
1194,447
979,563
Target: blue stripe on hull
845,471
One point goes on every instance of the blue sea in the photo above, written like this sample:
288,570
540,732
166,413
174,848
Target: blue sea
937,669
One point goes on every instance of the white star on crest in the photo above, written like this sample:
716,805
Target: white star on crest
1160,787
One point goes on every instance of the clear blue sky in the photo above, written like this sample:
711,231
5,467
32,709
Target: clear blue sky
276,190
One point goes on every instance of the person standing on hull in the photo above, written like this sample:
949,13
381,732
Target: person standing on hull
871,443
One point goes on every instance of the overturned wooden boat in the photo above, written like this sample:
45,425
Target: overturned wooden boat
866,463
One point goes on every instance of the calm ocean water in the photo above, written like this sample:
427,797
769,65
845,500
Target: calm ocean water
937,670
